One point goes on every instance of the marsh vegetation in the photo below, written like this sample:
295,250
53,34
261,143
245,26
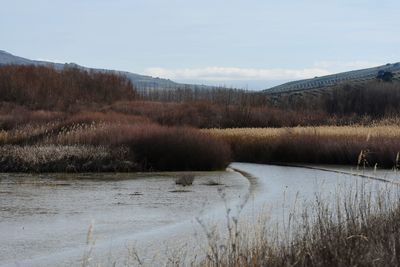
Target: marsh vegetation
76,120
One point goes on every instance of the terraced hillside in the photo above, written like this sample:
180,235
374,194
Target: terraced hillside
356,76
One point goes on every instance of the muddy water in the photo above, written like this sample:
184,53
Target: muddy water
45,218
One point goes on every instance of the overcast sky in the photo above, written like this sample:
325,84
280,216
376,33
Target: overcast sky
257,43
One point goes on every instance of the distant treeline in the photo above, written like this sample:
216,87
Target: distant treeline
346,104
375,98
43,87
74,90
214,95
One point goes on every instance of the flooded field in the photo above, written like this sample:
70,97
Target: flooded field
45,219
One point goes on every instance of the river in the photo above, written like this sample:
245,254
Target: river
61,219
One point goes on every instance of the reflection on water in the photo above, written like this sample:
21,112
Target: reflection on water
46,213
44,218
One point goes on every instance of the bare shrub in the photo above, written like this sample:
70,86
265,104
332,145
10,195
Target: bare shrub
185,179
42,87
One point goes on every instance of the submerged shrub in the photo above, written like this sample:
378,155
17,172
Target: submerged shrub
185,180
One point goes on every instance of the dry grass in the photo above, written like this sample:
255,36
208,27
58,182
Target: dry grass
322,145
366,132
149,145
359,228
356,225
3,137
56,158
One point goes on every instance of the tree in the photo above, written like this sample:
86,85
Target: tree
385,76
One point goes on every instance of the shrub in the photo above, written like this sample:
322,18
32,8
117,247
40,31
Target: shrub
185,179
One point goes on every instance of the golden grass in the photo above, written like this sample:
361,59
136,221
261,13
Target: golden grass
3,137
378,144
341,131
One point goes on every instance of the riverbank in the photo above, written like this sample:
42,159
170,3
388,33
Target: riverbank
129,217
84,144
111,147
355,223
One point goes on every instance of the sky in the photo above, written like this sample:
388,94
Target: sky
250,44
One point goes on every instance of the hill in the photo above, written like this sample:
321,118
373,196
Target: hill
351,77
141,82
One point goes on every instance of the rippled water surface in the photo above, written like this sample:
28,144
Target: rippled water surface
45,214
44,219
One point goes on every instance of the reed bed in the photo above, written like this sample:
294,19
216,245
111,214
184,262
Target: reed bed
149,146
350,145
345,131
56,158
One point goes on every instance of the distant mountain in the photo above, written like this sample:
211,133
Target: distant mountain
353,77
140,81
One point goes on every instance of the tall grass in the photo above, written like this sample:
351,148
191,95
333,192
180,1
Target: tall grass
153,147
148,146
359,228
179,149
56,158
314,145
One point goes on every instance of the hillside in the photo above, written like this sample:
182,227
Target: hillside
351,77
141,82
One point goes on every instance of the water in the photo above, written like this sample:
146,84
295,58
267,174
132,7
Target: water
44,219
45,215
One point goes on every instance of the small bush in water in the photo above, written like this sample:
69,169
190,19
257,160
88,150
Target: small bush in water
185,180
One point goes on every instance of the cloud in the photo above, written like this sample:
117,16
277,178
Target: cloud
232,73
319,68
50,60
346,65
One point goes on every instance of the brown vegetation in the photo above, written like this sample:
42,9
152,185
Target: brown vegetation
358,229
314,145
56,158
376,99
147,146
40,87
41,106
